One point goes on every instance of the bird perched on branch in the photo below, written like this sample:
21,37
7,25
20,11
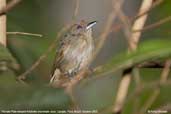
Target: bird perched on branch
74,53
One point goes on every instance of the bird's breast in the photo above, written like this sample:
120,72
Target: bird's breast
78,54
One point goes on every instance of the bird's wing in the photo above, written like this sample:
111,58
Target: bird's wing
69,56
60,53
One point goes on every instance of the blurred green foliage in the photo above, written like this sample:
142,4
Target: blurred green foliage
32,98
150,50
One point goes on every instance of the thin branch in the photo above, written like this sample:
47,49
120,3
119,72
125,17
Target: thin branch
133,42
154,25
9,6
24,33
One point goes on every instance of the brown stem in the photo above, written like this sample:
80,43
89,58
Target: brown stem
3,24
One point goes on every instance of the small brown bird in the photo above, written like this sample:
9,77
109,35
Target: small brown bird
75,51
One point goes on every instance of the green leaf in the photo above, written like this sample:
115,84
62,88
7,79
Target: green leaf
146,51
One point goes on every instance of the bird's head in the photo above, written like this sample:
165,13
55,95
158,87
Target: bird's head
82,28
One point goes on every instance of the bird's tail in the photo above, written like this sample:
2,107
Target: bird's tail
55,78
58,80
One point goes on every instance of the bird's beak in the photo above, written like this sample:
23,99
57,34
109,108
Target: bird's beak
90,25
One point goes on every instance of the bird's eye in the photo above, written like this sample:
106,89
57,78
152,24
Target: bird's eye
79,27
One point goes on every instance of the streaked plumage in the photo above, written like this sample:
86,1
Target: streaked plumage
75,51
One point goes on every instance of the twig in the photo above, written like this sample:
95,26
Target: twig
3,24
42,57
154,25
9,6
24,33
133,42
